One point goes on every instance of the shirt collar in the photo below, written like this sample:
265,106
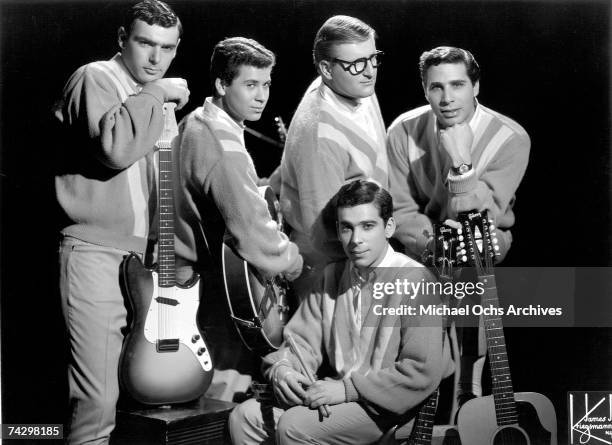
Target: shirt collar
351,105
133,83
358,279
216,113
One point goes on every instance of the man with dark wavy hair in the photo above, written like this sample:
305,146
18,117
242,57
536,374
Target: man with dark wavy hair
110,117
217,191
451,156
379,365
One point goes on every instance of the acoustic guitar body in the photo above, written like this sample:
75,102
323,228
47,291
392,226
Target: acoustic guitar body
537,422
164,359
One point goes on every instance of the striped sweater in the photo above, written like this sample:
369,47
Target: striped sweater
215,187
330,142
388,362
107,172
424,192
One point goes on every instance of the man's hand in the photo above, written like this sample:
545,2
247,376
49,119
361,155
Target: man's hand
287,384
325,392
175,90
457,142
296,270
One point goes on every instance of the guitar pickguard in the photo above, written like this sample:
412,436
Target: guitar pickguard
171,316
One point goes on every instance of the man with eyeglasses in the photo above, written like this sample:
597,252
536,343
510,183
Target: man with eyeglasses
337,134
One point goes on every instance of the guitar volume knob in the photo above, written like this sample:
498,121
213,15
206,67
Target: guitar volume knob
195,338
201,350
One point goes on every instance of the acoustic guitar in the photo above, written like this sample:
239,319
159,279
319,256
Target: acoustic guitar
505,417
258,304
165,358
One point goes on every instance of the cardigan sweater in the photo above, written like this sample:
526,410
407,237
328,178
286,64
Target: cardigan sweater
108,127
390,363
425,193
330,142
216,188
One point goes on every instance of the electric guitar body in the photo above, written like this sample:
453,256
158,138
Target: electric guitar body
165,358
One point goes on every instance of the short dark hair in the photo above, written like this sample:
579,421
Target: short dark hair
337,30
449,54
229,54
152,12
362,191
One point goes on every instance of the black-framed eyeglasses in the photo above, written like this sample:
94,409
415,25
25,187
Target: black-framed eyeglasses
358,66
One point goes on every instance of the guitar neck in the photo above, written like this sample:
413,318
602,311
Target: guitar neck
166,263
503,394
422,431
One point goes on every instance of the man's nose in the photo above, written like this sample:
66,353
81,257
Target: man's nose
155,55
369,69
356,237
447,96
262,94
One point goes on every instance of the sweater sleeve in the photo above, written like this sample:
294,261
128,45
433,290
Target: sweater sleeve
321,174
413,228
125,131
306,328
494,189
232,185
422,361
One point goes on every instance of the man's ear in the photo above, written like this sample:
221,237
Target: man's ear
220,87
476,88
325,69
390,228
121,37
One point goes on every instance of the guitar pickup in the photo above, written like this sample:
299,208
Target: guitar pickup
168,301
168,345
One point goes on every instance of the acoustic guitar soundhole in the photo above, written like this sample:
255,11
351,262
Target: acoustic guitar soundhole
510,435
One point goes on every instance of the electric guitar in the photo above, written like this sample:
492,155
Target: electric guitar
258,304
164,358
505,417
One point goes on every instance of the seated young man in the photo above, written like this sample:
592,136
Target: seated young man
217,191
382,366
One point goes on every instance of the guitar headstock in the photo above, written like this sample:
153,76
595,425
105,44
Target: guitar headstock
473,244
170,129
481,244
280,127
446,247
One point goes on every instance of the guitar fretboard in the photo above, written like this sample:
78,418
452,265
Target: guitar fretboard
422,431
166,263
503,394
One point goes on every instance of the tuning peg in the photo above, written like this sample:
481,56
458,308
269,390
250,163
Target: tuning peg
460,238
496,247
462,244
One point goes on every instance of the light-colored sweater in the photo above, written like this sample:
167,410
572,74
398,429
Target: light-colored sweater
216,188
331,141
387,361
108,129
423,191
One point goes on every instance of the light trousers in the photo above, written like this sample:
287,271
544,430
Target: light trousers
253,423
94,313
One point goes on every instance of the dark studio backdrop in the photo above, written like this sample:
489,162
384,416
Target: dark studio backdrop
545,64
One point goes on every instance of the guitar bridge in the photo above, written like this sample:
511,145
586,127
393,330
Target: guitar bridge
168,345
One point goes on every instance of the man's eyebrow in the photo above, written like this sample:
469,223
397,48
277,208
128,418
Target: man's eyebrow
143,39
